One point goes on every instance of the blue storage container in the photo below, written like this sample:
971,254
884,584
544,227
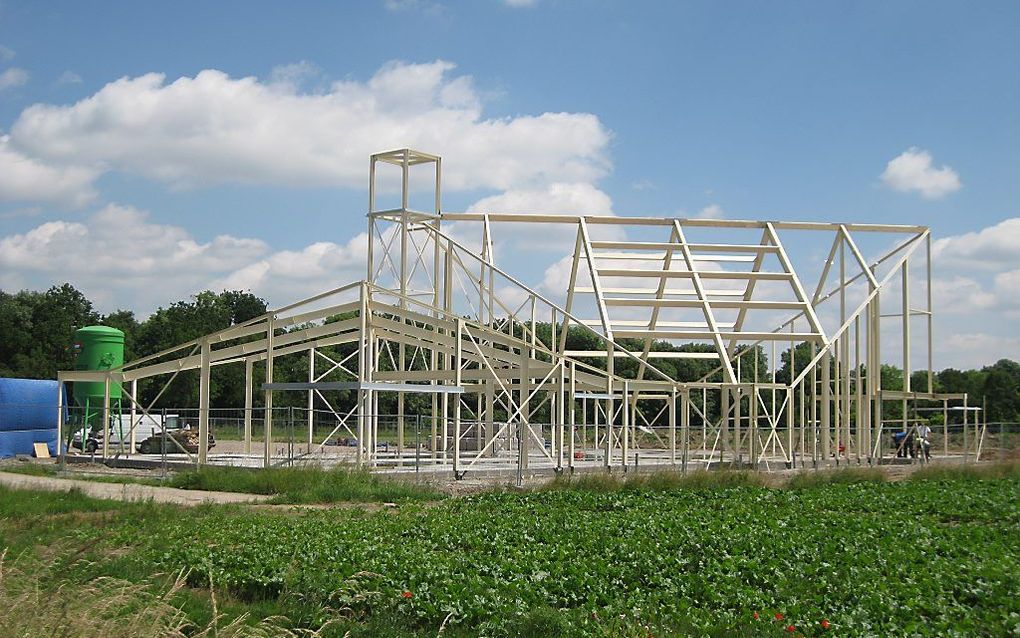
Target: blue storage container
28,414
22,442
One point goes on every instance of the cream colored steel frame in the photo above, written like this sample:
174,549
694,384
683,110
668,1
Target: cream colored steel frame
434,313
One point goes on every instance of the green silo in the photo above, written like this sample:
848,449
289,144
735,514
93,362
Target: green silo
97,348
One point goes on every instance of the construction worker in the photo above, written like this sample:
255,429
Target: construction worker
923,441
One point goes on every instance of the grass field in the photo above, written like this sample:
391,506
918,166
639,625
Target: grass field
840,554
287,485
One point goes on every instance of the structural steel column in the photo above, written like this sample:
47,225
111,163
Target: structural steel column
311,397
525,406
672,425
106,417
267,428
249,364
203,404
457,358
134,406
573,412
826,406
60,416
625,422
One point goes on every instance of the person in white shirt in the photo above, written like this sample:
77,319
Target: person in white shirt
924,441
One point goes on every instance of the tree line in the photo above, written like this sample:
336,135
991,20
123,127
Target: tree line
36,335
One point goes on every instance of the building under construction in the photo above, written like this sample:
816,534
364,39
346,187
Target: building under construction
788,367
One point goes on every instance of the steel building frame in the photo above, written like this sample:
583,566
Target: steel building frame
437,317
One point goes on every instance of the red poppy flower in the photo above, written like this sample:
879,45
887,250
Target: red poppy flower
779,616
791,628
756,615
406,594
824,623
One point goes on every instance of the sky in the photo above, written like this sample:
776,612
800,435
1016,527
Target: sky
150,151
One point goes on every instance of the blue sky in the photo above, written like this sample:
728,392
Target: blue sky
789,110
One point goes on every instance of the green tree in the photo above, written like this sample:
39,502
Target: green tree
38,330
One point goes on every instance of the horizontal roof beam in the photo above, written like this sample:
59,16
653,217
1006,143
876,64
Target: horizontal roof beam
707,274
697,303
660,256
356,385
740,336
618,220
652,354
717,292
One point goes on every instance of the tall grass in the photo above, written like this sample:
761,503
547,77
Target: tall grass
304,484
656,481
982,471
17,503
34,604
808,479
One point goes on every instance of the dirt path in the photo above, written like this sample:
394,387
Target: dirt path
126,491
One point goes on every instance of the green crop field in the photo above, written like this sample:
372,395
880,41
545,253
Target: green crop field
937,556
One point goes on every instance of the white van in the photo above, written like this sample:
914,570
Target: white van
120,430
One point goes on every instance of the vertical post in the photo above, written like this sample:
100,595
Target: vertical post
724,422
966,448
826,406
457,358
572,402
267,428
203,403
814,409
249,365
60,418
738,450
752,424
672,426
837,408
945,428
905,289
610,412
560,411
685,427
525,406
858,391
625,423
490,415
107,430
930,315
371,221
364,363
311,398
134,415
875,374
789,428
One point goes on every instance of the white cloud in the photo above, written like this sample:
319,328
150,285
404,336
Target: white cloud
558,198
517,4
289,275
69,77
976,287
120,258
912,170
213,129
25,179
975,349
991,248
292,77
13,77
712,211
960,295
6,53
